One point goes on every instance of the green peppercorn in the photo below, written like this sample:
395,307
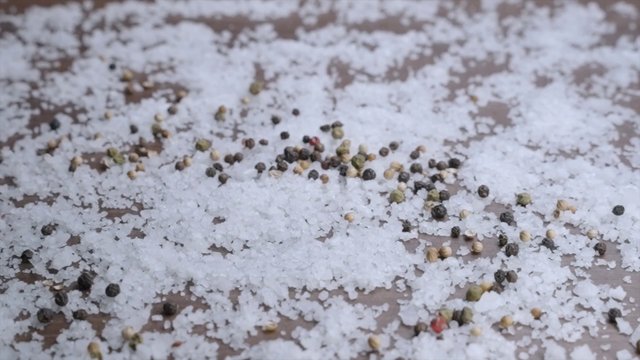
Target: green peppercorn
433,195
455,231
80,314
511,249
474,293
169,309
396,196
523,199
45,315
337,132
203,145
116,156
61,298
618,210
112,290
446,313
600,248
483,191
256,87
358,161
467,315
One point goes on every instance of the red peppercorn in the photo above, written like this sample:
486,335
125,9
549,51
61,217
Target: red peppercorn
314,141
438,324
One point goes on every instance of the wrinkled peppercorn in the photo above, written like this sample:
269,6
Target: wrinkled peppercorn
455,231
432,163
284,135
512,276
415,168
48,229
260,167
483,191
112,290
439,212
85,281
313,174
61,298
394,145
384,151
80,314
454,163
444,195
404,177
368,174
500,276
415,154
263,142
45,315
238,157
222,178
613,315
548,243
169,309
507,217
295,112
282,166
441,165
511,249
618,210
600,248
502,240
218,166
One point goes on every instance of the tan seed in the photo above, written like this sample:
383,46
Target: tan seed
388,174
551,234
128,333
445,252
536,313
506,321
214,155
592,233
270,328
140,167
94,350
132,174
349,217
475,331
432,254
298,170
464,214
525,236
374,342
476,247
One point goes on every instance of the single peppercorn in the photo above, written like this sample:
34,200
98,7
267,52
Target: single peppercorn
466,316
26,256
45,315
404,177
180,165
511,249
507,217
415,154
169,309
439,212
483,191
394,145
600,248
229,159
275,120
47,230
282,166
112,290
415,168
618,210
61,298
238,157
454,163
263,142
222,178
313,174
432,163
54,124
384,151
133,129
396,196
444,195
325,128
502,240
441,165
368,174
512,276
260,167
613,315
295,112
249,143
523,199
455,231
420,328
210,172
284,135
548,243
172,110
112,66
474,293
500,276
218,166
85,281
80,314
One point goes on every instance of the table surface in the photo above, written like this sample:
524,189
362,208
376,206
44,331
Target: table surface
286,27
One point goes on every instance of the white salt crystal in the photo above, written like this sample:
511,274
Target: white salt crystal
582,352
624,355
617,293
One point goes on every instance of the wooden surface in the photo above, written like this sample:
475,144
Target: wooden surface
285,28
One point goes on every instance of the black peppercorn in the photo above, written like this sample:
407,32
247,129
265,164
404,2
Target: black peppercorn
414,154
497,287
600,248
432,163
415,168
404,177
502,240
435,178
45,315
249,143
444,195
419,185
406,226
439,212
47,230
80,314
336,124
275,119
455,231
133,129
500,276
305,139
334,161
169,309
179,166
548,243
112,66
512,276
172,110
222,178
313,174
315,156
511,249
26,256
112,290
229,159
368,174
394,145
295,112
324,164
441,165
325,128
506,217
218,166
238,157
618,210
457,316
282,166
263,142
384,151
304,154
61,298
483,191
420,328
613,315
284,135
85,281
342,169
210,172
54,124
454,163
260,167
